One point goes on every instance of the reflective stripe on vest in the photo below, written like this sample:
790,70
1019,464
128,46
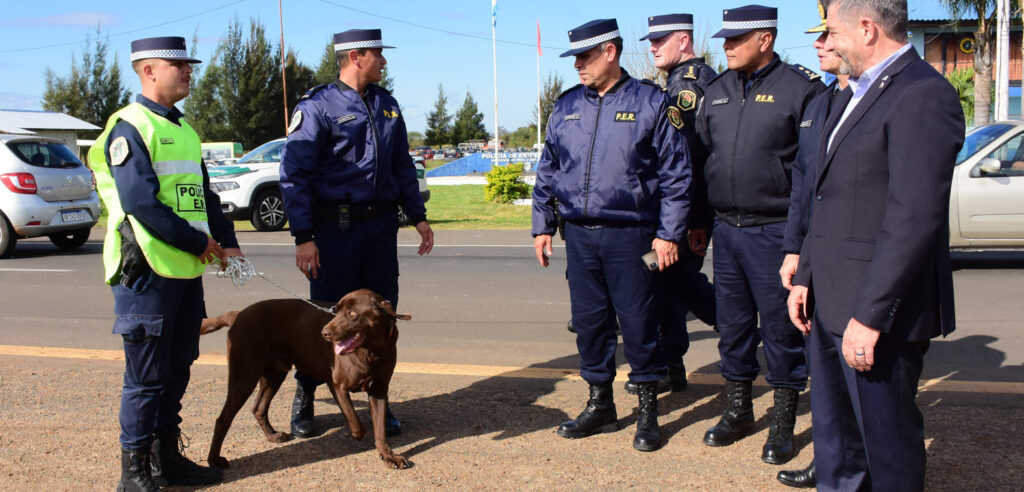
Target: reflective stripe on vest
177,161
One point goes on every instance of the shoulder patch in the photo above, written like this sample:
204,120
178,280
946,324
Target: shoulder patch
686,100
674,118
296,121
119,151
690,73
312,92
805,72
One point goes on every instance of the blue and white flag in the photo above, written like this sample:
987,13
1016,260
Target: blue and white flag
494,13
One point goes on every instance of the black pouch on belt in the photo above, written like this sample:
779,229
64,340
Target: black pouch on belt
133,262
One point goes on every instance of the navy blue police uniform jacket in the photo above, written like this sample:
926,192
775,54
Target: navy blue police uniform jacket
685,90
137,187
344,148
751,130
612,160
804,169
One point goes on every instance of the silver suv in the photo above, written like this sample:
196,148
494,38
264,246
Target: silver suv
46,191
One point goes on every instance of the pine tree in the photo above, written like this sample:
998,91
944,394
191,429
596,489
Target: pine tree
92,91
549,93
439,121
469,122
328,70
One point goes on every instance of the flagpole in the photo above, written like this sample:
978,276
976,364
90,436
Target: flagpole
538,84
494,54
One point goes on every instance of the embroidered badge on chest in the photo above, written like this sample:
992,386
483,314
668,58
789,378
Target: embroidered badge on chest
572,117
716,102
625,116
345,119
166,141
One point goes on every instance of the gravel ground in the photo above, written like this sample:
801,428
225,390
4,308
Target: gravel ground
58,431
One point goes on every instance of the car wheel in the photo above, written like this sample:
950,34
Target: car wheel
268,211
70,240
7,237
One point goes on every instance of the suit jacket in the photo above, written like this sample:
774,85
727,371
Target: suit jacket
877,248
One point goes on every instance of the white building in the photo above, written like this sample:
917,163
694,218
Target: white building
45,124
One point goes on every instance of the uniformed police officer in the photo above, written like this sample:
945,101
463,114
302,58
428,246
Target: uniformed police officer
620,173
344,172
161,215
682,287
804,178
750,121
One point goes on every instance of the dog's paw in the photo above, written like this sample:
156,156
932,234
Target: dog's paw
395,461
217,461
357,431
279,437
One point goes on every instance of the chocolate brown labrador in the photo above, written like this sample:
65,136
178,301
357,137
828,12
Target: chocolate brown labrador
354,349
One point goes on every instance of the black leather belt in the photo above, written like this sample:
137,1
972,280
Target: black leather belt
356,213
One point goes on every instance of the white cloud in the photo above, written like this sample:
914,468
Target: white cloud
75,19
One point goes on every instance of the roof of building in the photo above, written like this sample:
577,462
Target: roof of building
23,122
933,11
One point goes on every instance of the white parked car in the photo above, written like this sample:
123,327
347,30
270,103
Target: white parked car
46,191
986,203
250,188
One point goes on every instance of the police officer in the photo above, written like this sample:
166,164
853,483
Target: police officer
804,174
344,172
620,173
164,224
750,121
682,287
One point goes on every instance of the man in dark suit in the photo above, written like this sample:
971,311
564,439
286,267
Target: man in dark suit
875,261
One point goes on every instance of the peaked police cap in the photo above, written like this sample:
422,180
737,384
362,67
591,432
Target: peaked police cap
354,39
591,34
742,20
165,47
660,26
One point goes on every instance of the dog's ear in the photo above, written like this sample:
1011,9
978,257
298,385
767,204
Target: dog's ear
390,311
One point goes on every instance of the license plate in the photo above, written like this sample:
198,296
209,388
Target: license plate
72,215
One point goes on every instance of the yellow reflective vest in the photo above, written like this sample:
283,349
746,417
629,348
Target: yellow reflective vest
177,162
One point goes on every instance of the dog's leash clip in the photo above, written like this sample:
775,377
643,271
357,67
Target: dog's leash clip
239,269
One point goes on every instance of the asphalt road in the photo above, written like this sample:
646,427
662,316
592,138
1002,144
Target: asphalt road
486,373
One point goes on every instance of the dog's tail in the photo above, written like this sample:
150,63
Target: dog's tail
211,325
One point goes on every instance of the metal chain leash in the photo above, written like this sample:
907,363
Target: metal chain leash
240,270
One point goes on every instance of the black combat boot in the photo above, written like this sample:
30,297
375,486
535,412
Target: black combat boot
170,467
303,424
738,417
647,437
779,447
599,416
135,475
801,479
674,381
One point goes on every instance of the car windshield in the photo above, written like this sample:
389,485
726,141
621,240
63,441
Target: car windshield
978,138
44,154
268,152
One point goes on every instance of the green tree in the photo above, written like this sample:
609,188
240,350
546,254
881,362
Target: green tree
524,136
962,79
328,69
469,122
92,91
439,121
415,139
299,77
550,91
984,44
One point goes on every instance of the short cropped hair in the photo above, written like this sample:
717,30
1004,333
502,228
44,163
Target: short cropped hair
342,56
890,15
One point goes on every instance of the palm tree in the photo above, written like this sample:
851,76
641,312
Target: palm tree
984,44
962,79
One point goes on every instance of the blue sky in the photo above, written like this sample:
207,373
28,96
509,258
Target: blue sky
437,42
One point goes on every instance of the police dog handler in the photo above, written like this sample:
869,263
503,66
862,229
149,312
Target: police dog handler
164,226
620,173
344,172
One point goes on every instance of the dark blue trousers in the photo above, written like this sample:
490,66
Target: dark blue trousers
681,289
748,287
363,257
868,431
607,278
159,322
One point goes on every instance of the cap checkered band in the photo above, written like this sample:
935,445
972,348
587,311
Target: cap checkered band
761,24
671,27
356,45
168,54
575,45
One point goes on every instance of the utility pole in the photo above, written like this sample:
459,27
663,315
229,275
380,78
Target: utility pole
1002,60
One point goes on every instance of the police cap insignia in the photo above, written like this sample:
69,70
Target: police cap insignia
686,100
296,121
119,151
674,117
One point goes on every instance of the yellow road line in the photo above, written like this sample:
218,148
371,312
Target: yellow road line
938,384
